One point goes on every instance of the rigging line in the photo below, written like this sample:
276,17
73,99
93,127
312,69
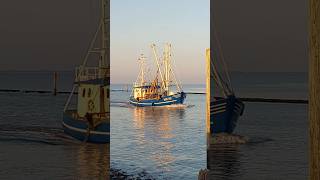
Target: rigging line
91,17
222,57
219,49
174,77
157,61
175,67
223,85
218,80
226,85
136,82
69,99
217,66
91,45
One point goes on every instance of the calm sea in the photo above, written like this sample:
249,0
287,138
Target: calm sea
165,143
33,145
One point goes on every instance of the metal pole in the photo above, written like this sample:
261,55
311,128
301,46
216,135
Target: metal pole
314,90
55,77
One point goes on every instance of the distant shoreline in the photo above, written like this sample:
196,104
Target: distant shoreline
244,99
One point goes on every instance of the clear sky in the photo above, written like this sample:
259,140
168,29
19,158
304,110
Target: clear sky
263,36
135,25
268,35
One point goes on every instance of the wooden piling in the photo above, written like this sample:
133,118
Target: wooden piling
208,90
314,89
55,77
206,175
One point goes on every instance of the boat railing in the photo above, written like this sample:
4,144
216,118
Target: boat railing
90,73
73,113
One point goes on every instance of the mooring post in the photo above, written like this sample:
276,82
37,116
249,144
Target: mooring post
55,77
314,89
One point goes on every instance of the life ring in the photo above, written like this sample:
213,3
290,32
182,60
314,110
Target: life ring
90,105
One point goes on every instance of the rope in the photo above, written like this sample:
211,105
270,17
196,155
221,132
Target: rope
222,79
222,57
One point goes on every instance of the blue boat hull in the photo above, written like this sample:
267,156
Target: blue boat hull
164,101
224,114
78,129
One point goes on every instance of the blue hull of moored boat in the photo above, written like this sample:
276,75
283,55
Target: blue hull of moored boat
165,101
224,114
78,130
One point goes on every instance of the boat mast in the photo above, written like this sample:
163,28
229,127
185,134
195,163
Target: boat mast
142,66
158,65
104,38
167,68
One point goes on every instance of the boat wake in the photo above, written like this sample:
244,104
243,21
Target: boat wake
34,134
225,138
128,105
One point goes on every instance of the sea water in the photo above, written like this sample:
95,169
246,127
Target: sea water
33,144
165,143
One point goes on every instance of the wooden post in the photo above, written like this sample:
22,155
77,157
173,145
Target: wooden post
55,77
208,90
314,90
208,100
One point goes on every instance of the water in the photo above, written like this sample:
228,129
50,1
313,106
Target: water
165,143
277,133
33,145
169,144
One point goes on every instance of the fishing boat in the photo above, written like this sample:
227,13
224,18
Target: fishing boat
159,91
88,118
224,107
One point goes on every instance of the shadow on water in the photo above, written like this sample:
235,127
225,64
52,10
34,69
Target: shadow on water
224,157
224,161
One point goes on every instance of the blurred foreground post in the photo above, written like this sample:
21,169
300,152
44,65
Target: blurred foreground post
314,89
55,77
203,175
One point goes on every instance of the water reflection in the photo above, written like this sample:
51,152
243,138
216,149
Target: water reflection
224,161
93,161
156,126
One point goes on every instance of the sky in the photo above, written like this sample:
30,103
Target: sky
263,35
45,34
135,25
